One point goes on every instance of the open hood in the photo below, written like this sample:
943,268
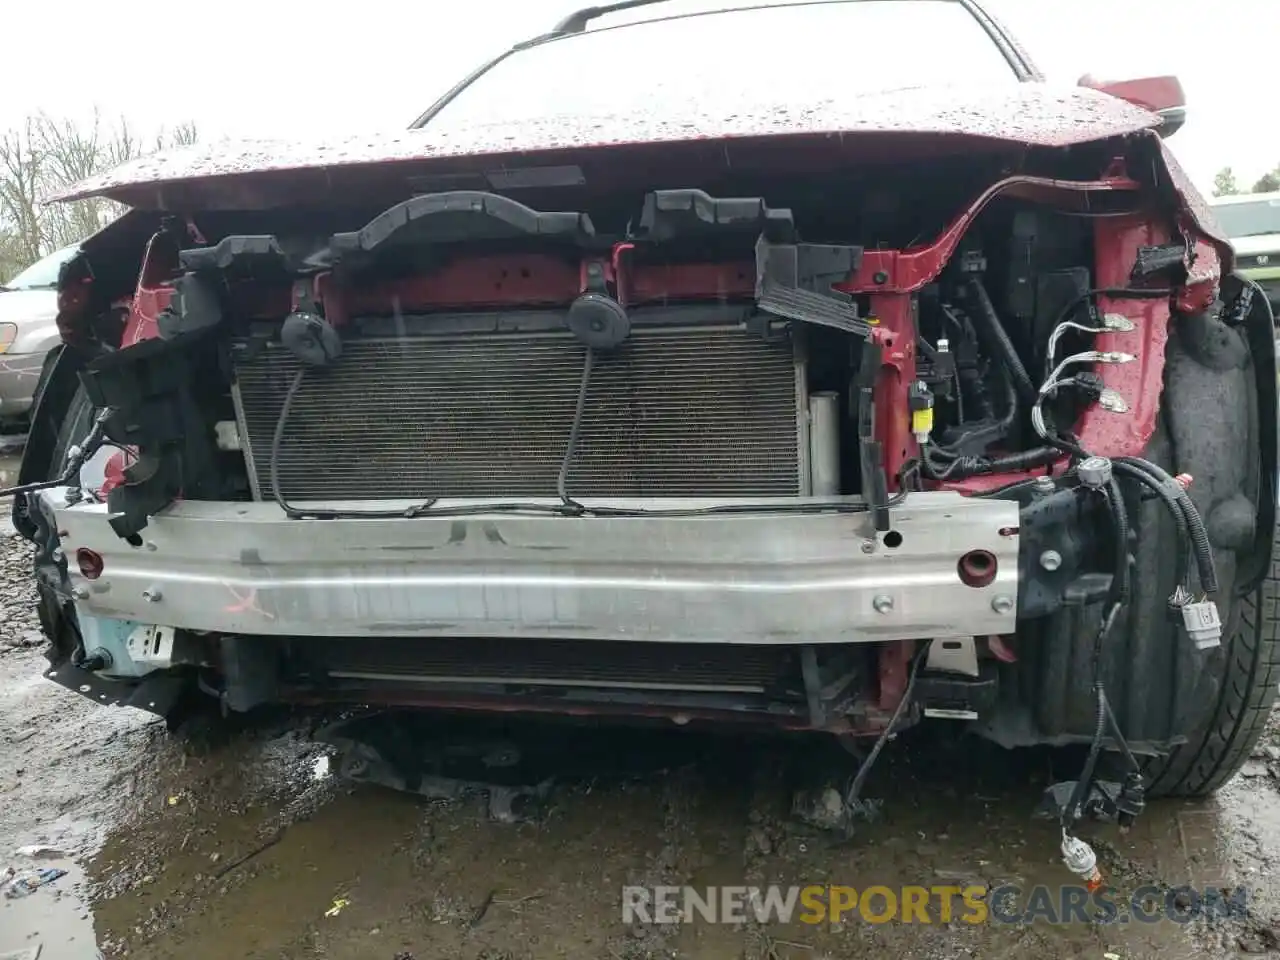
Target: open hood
1031,114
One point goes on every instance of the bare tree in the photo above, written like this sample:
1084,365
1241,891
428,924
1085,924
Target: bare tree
1268,182
21,166
1224,183
48,155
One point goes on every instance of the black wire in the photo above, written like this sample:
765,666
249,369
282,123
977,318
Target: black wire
1129,293
87,448
999,342
852,794
294,513
562,479
1119,596
567,506
1171,505
429,507
1073,305
1115,728
1199,537
1120,588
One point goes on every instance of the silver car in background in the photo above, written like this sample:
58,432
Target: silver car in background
28,331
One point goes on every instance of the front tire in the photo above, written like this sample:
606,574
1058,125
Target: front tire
1234,722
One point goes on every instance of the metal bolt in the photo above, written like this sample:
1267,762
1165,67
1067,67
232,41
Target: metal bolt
868,546
152,595
1002,604
882,604
1045,484
80,593
1051,560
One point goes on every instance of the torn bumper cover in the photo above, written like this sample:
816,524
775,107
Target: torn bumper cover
760,578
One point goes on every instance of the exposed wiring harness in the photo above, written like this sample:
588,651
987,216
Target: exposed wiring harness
77,457
1116,600
1055,382
1189,529
853,803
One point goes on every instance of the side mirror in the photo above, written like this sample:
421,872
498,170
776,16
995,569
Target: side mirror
1160,95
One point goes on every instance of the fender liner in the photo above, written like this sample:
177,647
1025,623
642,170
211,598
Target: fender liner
1217,422
1260,331
57,387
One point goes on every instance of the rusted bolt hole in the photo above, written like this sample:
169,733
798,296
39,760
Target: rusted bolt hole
977,568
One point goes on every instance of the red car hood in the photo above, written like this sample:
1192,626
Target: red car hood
1033,114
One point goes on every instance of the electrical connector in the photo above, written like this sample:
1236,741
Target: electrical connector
1203,624
1112,401
920,402
1090,384
1079,858
1115,356
1132,799
1094,472
1118,322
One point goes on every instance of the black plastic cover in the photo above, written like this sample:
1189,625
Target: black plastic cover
461,215
194,306
237,251
668,214
794,281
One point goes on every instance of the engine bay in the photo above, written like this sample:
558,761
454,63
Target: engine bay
467,344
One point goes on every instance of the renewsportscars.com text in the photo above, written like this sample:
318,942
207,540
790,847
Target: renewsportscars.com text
1004,904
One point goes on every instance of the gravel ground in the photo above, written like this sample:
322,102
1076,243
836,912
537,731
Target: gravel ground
154,831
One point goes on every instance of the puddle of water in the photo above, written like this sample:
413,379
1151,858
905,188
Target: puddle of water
53,917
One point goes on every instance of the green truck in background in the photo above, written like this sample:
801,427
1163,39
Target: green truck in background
1252,223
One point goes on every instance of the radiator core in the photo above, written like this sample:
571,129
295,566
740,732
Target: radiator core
707,410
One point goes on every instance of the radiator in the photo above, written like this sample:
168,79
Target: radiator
675,411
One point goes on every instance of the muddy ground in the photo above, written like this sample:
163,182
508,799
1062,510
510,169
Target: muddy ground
154,831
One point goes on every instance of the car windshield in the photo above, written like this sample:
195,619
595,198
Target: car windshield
43,274
1250,218
764,56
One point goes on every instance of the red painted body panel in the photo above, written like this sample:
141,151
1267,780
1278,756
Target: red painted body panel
1033,114
897,373
1109,434
903,271
894,672
1151,93
159,267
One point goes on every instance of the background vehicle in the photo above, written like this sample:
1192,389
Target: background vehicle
1252,221
819,398
28,332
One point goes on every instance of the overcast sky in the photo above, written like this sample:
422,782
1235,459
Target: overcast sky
279,68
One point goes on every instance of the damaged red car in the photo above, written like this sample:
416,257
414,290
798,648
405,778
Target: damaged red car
815,365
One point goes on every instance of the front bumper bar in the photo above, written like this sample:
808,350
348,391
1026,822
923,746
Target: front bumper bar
773,578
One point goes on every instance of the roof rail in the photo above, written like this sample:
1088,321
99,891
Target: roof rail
577,21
